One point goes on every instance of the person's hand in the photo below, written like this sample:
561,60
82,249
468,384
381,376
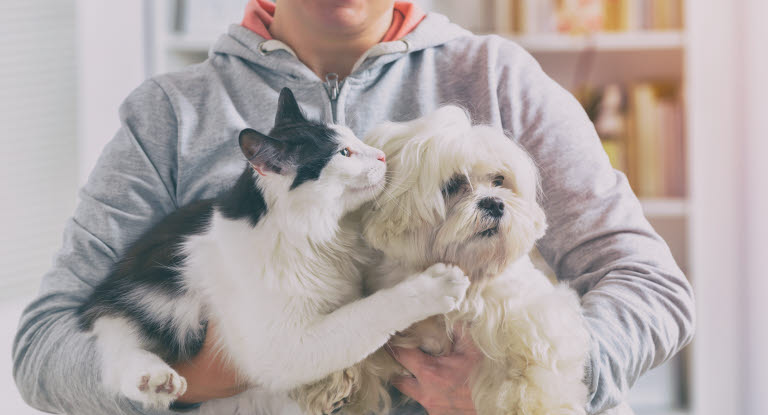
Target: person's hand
208,375
439,384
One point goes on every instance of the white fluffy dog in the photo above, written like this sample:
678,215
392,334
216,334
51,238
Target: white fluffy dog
467,195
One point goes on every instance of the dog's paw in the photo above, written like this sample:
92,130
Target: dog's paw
442,287
336,406
329,395
156,388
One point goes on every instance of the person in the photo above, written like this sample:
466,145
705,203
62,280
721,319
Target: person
356,62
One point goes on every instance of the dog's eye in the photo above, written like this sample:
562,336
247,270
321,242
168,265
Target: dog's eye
455,184
346,152
498,181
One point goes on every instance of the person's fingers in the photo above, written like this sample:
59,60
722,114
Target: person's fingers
412,359
408,386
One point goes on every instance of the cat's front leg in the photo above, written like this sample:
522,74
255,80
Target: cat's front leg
132,371
352,332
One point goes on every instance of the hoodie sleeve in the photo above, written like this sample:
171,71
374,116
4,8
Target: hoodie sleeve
637,303
56,366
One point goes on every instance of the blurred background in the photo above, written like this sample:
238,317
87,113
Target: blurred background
677,90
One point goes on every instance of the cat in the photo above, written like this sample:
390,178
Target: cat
276,266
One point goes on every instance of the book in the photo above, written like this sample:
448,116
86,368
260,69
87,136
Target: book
641,129
578,17
655,153
671,136
616,14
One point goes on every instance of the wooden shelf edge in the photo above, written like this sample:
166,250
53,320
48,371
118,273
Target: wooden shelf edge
605,42
189,43
665,207
555,42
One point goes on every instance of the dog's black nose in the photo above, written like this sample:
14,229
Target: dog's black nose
493,206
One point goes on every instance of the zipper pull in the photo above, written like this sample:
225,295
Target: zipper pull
332,82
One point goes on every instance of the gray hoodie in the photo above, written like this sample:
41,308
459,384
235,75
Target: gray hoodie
177,144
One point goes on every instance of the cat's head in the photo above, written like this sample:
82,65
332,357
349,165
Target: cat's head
313,162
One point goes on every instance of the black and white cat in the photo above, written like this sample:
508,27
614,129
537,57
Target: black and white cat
274,264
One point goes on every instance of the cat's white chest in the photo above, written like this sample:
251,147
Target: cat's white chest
242,270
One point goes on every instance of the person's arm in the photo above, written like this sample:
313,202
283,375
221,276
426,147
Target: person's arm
133,186
638,304
209,375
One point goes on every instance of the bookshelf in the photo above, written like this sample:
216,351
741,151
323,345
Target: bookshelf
628,55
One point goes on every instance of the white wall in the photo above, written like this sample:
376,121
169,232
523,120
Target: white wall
38,157
755,196
38,161
727,89
111,39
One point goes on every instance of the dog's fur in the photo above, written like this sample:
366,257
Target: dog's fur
443,171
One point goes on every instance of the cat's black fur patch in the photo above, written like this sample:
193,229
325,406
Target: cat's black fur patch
313,146
244,201
152,264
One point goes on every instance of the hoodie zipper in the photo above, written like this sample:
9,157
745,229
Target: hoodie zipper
333,87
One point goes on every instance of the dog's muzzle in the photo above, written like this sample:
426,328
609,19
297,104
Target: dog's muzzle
492,206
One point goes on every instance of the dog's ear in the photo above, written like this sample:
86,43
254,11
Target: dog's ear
418,161
395,216
412,200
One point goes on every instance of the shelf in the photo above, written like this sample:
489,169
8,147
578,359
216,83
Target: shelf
606,42
665,207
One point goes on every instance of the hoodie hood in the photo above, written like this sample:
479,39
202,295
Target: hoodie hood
240,42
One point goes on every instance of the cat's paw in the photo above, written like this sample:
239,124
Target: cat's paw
441,288
156,388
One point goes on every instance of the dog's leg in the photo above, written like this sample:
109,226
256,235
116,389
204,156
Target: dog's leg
129,369
547,350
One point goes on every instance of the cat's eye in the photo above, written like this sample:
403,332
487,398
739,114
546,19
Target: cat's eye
498,181
346,152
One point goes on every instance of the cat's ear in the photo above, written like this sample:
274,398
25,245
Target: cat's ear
288,111
265,153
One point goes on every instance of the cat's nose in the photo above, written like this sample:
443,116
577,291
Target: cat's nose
381,157
493,206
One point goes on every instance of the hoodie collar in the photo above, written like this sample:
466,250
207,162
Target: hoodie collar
433,30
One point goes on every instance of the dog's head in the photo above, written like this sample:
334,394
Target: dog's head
456,193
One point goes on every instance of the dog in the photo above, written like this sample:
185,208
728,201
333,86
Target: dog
467,195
